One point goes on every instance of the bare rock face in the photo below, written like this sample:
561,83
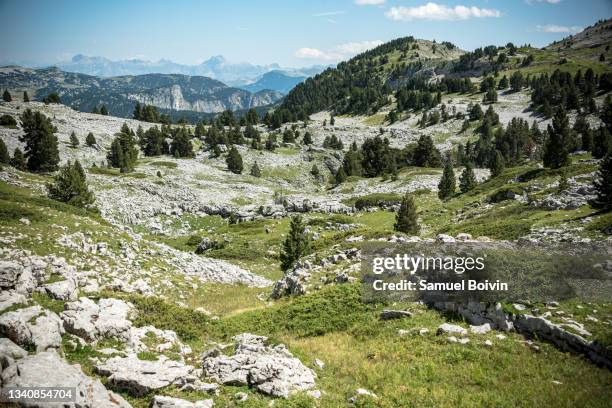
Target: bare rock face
271,369
160,401
9,272
90,321
11,297
451,329
542,328
140,377
10,349
48,369
62,290
32,326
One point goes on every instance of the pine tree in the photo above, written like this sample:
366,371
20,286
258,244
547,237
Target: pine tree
137,111
425,153
340,176
18,161
255,170
181,144
556,152
498,164
476,112
332,120
467,180
234,161
315,172
307,138
41,148
4,154
602,142
70,186
296,245
603,184
74,140
446,187
103,110
95,110
123,153
503,83
26,98
406,217
490,96
90,140
6,96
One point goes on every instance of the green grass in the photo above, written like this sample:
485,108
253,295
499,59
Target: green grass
115,172
167,164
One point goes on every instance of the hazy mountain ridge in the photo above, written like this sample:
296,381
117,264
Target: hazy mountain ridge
216,67
281,81
166,91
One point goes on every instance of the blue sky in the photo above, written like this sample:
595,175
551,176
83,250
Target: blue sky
292,33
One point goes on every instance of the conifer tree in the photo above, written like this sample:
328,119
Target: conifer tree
446,187
467,180
296,245
74,140
307,138
181,145
6,96
26,98
603,184
103,110
498,164
503,83
556,152
41,149
332,120
18,161
255,170
90,140
123,153
476,112
95,110
315,171
340,176
406,217
425,153
4,154
70,186
602,142
234,161
137,111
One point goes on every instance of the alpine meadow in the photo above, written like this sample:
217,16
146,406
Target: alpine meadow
182,230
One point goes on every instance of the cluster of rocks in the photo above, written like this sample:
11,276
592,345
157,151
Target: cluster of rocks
22,274
550,235
574,197
272,370
48,369
487,316
297,280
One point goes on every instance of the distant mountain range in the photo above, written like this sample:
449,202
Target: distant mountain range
243,75
169,92
281,81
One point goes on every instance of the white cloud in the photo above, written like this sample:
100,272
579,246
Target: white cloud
439,12
310,53
329,13
369,2
339,52
553,28
543,1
